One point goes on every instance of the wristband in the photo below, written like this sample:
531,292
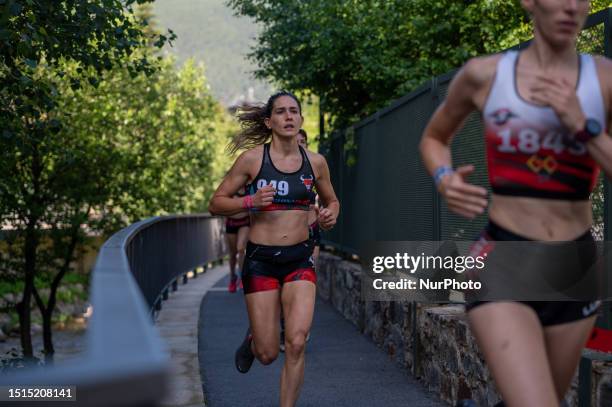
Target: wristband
247,202
440,172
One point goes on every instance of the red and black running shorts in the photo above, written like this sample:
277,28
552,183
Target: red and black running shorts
269,267
548,312
232,225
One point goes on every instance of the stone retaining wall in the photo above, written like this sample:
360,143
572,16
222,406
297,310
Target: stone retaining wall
443,353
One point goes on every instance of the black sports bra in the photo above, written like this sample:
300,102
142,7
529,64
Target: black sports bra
294,191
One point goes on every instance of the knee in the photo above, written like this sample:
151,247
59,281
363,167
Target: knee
266,356
295,344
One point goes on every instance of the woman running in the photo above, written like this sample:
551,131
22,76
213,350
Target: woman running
236,235
278,268
545,111
315,232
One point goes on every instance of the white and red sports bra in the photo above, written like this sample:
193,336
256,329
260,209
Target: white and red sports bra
525,151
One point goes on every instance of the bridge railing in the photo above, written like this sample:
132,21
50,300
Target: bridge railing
125,362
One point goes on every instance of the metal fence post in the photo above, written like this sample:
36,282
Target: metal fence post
584,382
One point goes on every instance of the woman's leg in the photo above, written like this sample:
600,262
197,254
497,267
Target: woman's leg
230,239
264,310
564,344
243,237
512,340
298,299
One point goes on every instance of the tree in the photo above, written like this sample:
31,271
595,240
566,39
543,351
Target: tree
167,135
138,146
43,172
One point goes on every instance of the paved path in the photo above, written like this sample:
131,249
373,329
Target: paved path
343,367
178,326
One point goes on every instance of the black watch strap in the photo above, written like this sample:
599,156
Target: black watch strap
592,129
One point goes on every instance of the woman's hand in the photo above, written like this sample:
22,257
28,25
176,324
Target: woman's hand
262,198
462,197
327,219
561,96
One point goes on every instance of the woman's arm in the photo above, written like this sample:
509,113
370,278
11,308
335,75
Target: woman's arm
600,147
462,198
561,96
223,201
330,206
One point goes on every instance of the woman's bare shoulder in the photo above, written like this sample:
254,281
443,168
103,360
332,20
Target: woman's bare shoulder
481,70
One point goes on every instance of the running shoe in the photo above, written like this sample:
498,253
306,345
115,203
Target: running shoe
244,355
232,285
466,403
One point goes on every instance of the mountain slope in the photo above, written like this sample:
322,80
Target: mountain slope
208,31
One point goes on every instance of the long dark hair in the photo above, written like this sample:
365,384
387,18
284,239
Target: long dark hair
253,129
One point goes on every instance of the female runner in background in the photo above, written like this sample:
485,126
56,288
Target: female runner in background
236,235
315,232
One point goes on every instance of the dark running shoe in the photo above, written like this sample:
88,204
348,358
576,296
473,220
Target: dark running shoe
244,355
466,403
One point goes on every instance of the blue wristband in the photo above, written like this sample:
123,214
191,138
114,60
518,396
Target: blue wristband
440,172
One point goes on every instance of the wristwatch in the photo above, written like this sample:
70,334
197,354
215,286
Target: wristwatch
592,129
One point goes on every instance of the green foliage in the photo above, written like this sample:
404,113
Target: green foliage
95,132
163,135
95,34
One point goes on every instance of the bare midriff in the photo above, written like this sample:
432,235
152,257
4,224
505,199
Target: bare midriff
541,219
279,228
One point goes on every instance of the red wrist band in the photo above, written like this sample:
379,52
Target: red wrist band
247,202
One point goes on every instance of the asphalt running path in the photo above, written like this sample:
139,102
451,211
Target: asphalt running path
343,367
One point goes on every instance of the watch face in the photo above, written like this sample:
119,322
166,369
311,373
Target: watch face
592,127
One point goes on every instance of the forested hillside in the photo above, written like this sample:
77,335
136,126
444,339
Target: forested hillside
208,31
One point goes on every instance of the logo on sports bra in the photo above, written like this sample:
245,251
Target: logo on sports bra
537,164
501,116
307,181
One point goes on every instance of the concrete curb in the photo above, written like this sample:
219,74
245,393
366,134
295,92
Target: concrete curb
177,324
